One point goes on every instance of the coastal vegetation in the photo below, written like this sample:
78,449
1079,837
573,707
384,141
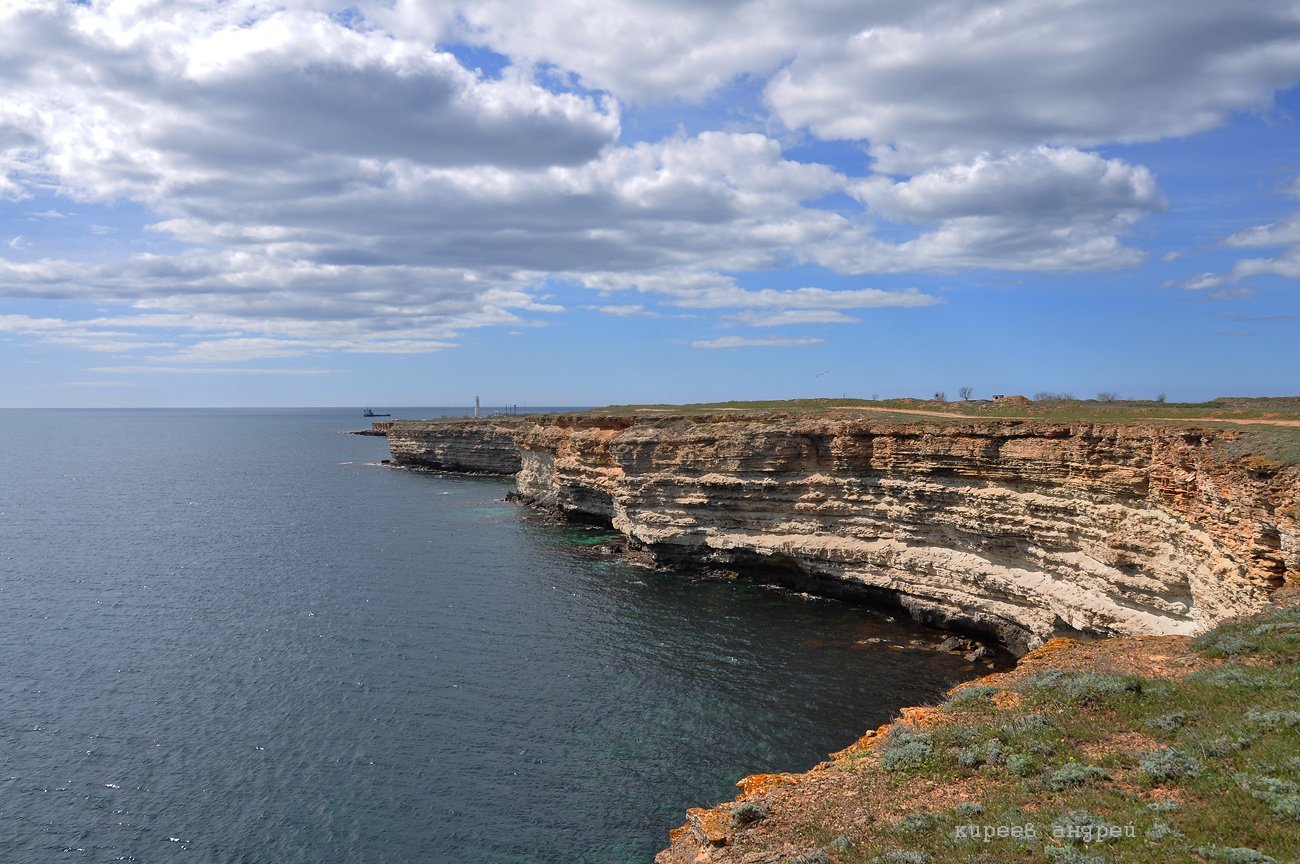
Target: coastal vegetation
1167,750
1045,407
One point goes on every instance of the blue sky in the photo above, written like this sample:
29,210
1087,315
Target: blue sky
405,202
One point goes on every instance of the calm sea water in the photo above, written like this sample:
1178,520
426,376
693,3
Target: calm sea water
230,636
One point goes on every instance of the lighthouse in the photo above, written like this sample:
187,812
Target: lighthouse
476,407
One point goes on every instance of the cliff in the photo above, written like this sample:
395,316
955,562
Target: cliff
463,446
1026,530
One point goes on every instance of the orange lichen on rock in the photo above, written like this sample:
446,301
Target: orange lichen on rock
757,784
922,717
709,826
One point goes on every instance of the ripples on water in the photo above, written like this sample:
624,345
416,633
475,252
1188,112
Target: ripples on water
232,637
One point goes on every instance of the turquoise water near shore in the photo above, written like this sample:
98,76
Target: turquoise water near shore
232,636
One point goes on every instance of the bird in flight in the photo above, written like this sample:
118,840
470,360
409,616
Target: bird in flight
820,374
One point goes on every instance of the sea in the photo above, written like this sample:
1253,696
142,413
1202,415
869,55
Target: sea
236,636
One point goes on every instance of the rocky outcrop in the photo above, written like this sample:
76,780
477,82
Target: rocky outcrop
465,446
1021,529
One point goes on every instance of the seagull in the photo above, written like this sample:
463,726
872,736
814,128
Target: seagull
820,374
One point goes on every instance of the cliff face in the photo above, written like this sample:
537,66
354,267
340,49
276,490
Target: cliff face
1025,530
469,446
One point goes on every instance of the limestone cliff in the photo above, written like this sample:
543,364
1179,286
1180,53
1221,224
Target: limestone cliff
466,446
1026,530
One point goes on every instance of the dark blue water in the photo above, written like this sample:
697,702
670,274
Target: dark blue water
230,636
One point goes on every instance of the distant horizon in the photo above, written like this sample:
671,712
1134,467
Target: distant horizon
486,407
239,204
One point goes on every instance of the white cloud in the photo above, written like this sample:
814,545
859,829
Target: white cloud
793,316
1042,209
322,188
962,78
624,311
703,290
1282,233
725,342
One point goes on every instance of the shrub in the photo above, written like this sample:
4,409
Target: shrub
1220,747
1164,806
1070,855
1020,764
1169,763
905,748
899,857
973,696
969,808
1237,855
1084,826
1232,675
1024,724
747,814
1161,831
1265,629
987,753
1082,687
1170,722
1225,644
1274,719
841,843
1280,796
1073,774
915,823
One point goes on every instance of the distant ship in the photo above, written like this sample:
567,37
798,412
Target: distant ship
370,413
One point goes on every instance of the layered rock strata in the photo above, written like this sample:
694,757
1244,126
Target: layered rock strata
463,446
1020,529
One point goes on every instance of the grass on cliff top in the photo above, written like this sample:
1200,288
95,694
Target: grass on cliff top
1085,767
1059,409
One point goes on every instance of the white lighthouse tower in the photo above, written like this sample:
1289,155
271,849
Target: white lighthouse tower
476,407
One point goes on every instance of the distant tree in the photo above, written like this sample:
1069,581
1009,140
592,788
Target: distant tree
875,397
1160,397
1107,396
965,393
940,396
1053,397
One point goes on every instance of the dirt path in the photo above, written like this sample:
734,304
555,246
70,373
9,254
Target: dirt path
954,415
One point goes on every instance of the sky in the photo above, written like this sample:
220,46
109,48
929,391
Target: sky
416,202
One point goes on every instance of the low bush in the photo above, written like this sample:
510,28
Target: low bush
747,814
1234,855
1073,774
1169,764
1274,719
905,748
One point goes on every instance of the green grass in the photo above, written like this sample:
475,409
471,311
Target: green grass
1106,768
1086,410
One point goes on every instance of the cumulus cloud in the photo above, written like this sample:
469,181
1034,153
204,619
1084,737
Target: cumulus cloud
643,50
970,77
1043,209
324,184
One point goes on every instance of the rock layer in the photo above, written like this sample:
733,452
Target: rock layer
464,446
1024,530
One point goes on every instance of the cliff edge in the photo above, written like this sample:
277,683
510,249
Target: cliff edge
1021,529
